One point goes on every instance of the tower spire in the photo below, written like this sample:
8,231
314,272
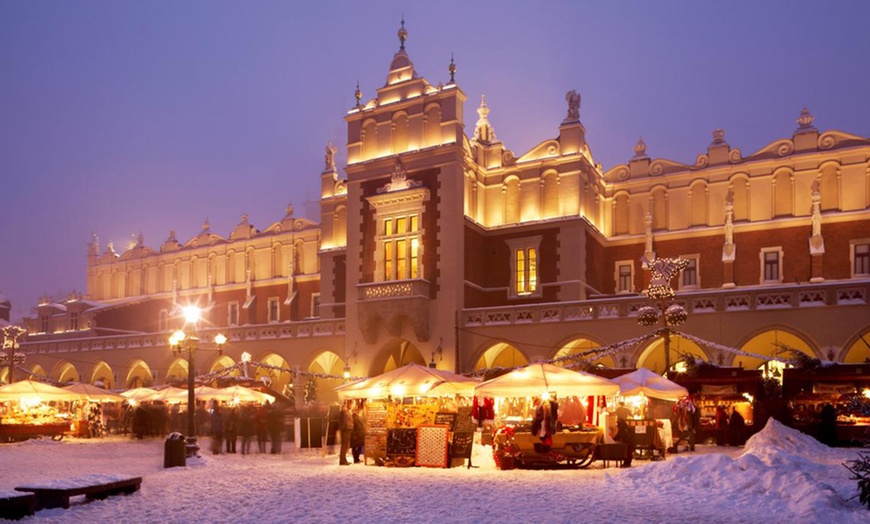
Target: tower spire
403,34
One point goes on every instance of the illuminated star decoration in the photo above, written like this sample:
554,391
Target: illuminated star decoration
663,270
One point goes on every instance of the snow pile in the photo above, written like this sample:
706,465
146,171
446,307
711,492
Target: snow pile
777,462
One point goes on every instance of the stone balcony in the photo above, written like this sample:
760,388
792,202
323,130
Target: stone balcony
390,304
246,333
705,301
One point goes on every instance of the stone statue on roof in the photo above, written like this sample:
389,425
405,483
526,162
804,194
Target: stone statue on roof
573,99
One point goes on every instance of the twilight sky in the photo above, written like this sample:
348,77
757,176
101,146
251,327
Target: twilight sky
121,117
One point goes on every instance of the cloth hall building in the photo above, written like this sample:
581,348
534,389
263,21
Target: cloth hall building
438,244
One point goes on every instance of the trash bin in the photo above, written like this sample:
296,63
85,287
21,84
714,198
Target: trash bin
174,451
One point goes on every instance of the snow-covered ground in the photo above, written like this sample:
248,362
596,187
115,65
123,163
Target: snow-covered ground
779,476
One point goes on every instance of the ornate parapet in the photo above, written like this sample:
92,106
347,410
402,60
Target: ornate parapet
390,304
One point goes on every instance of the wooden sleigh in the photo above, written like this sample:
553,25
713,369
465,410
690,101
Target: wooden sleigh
575,449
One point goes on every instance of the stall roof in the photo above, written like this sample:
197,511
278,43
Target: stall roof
412,380
650,384
535,379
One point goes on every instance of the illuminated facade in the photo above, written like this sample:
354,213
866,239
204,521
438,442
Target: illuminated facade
442,246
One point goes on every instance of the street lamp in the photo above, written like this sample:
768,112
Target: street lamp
11,335
187,339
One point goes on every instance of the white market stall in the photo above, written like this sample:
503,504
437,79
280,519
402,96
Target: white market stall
415,415
31,408
520,440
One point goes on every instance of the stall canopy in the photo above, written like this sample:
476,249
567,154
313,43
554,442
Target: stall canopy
243,394
93,393
412,380
534,379
168,394
652,385
138,394
29,388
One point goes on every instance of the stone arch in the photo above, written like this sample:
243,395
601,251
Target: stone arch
652,355
770,342
278,380
739,186
327,362
550,195
783,193
396,353
580,345
621,215
698,196
500,354
65,371
511,190
858,350
829,185
102,375
138,375
176,373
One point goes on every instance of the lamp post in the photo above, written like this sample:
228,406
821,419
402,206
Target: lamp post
11,334
187,339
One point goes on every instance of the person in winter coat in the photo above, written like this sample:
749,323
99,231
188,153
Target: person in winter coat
721,425
357,435
231,429
275,423
625,434
736,427
345,426
217,430
247,429
261,427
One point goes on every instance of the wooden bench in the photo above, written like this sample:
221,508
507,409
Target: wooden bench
15,505
56,493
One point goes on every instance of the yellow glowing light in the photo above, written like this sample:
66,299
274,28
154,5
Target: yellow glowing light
191,314
748,397
397,390
220,339
545,396
346,373
866,393
680,367
176,338
29,401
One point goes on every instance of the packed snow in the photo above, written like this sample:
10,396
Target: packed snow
779,476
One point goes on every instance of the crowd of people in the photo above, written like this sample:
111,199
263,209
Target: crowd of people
229,424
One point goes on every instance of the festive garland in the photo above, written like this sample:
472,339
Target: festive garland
706,343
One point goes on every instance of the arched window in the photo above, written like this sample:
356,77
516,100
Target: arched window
298,258
659,208
550,195
400,133
339,226
432,131
369,138
231,268
829,187
783,204
699,204
620,214
276,260
740,193
511,191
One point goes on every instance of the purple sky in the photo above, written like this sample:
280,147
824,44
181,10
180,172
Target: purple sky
127,117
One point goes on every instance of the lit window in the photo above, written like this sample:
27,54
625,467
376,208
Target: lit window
689,277
624,277
527,271
272,306
233,314
315,305
401,247
525,253
771,265
74,321
861,257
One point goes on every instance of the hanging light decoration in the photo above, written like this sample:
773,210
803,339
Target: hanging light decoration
675,315
647,316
